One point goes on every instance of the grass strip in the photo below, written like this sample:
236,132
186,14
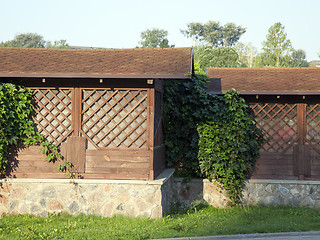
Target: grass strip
202,221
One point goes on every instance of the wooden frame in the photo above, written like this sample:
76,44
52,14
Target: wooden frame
108,130
291,125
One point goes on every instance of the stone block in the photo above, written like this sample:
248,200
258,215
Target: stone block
3,199
308,202
108,209
74,207
35,209
23,209
49,192
5,188
283,190
156,212
54,205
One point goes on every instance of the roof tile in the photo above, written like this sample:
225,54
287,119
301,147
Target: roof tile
148,62
264,80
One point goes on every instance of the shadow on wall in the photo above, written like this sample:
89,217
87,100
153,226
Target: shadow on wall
185,193
214,86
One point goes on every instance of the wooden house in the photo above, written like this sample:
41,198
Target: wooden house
286,104
102,107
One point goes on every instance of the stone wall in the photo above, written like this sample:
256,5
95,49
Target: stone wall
141,198
257,192
283,192
186,192
99,197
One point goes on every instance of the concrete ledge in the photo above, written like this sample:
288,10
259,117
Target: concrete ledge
161,179
139,198
266,181
135,198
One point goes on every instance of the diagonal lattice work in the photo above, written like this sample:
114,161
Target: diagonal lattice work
114,118
313,126
279,124
53,113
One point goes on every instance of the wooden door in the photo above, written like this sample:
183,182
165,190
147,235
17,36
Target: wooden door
279,122
292,146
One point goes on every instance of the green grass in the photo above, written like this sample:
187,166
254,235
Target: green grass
201,222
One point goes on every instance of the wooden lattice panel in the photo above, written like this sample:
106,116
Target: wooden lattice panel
53,115
279,124
313,127
114,118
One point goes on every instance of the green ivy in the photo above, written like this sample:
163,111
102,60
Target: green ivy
17,127
229,146
211,136
186,104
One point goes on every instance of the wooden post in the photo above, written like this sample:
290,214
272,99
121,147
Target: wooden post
150,135
301,121
76,111
301,161
301,151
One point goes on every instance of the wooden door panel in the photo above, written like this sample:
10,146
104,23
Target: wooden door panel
292,147
274,166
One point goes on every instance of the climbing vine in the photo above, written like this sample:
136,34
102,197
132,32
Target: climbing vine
211,136
17,128
186,104
229,146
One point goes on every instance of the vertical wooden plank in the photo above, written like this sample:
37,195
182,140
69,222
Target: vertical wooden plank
301,122
158,85
301,153
76,111
301,161
295,159
306,163
150,135
79,150
64,150
76,152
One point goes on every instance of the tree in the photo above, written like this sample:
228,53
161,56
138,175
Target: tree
298,58
214,34
207,56
58,44
33,40
154,38
28,40
277,48
246,53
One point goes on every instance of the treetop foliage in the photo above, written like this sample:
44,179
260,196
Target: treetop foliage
208,56
33,40
214,34
154,38
277,48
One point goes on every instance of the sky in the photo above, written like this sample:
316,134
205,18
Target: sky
118,23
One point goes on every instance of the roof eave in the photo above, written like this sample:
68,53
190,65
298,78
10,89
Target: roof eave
272,93
111,76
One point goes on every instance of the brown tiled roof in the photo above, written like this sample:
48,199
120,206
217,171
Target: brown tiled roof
100,63
265,80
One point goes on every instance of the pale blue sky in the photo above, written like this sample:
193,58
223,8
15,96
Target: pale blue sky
118,23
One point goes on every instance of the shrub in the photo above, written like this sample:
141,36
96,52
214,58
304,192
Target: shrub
229,141
186,104
229,146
